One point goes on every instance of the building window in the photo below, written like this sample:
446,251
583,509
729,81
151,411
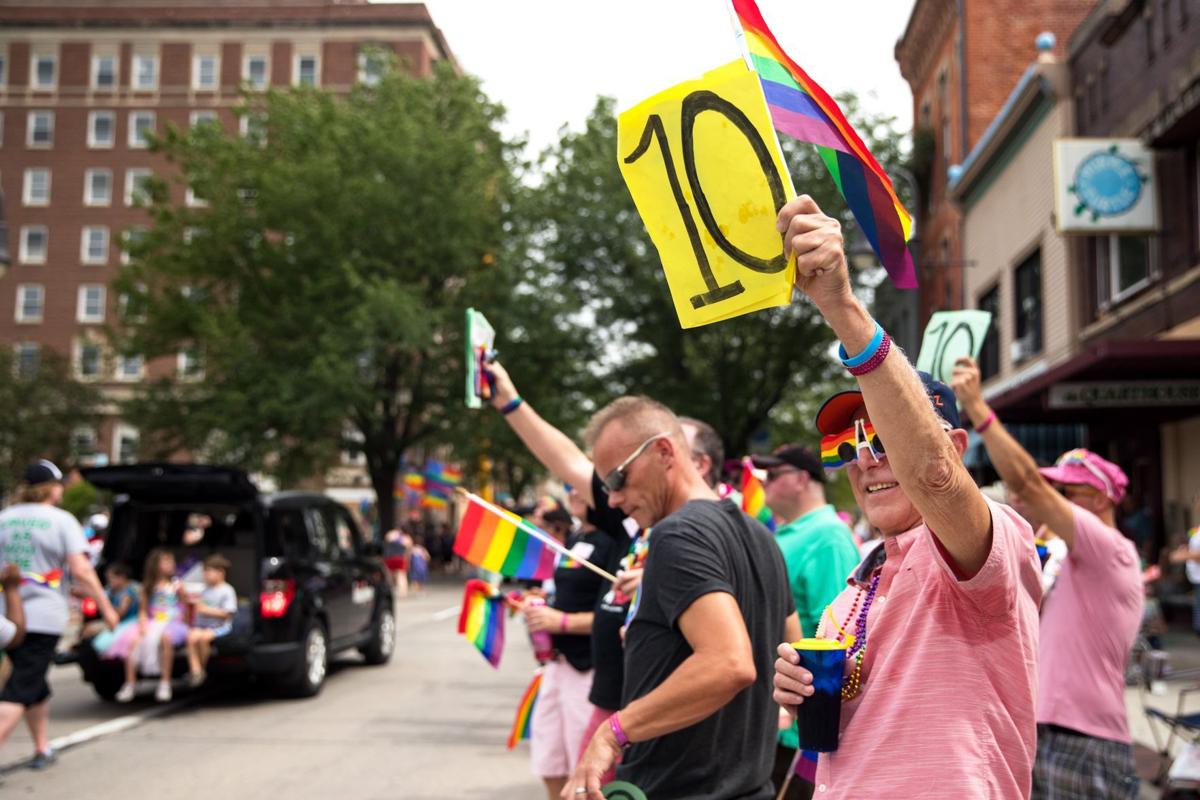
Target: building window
36,191
129,368
97,187
40,131
31,301
188,365
125,444
252,125
130,240
306,71
1123,267
989,354
135,186
26,356
371,64
1028,282
206,72
35,240
83,442
91,303
104,72
254,71
145,71
101,129
93,245
3,69
1,126
43,72
192,200
141,125
203,117
87,360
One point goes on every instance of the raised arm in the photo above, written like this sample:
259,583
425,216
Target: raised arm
926,462
553,448
1015,466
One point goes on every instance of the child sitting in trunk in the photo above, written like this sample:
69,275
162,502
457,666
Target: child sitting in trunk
215,608
150,645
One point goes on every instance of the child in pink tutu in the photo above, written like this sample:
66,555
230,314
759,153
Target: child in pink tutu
150,645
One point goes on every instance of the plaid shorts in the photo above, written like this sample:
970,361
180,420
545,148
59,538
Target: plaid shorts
1072,766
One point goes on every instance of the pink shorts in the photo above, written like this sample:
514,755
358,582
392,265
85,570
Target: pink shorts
560,719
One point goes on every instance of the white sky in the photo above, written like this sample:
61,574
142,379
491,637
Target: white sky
548,60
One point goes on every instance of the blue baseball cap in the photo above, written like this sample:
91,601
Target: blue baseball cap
838,411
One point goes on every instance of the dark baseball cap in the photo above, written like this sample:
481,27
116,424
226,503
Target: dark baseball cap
793,455
837,412
42,471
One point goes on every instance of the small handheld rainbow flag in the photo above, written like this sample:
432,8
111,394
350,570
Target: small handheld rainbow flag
51,580
482,619
521,723
754,497
500,541
804,111
806,765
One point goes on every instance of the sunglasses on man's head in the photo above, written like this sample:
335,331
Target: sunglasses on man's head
614,481
839,449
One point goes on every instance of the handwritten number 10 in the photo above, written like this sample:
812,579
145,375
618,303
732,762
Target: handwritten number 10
695,104
942,343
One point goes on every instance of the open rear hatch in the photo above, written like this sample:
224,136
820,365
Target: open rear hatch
165,483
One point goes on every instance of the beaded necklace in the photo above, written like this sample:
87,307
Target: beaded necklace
856,643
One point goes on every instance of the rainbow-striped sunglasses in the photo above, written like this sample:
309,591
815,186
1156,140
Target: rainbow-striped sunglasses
839,449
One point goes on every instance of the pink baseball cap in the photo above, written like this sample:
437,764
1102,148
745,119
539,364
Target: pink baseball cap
1082,466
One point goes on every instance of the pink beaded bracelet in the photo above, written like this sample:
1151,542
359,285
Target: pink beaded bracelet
874,361
562,625
983,426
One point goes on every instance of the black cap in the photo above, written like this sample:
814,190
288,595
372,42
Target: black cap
42,471
837,412
800,457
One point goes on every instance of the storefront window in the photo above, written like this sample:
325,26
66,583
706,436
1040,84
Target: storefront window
989,356
1123,266
1028,307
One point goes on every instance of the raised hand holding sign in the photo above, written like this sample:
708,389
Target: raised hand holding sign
705,170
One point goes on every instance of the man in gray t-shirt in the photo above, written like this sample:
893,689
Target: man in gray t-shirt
44,542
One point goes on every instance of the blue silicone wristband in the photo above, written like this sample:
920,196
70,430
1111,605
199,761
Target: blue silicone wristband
866,354
511,406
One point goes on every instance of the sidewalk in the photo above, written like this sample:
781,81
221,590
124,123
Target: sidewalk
1184,648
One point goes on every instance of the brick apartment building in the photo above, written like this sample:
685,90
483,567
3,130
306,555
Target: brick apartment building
81,84
962,58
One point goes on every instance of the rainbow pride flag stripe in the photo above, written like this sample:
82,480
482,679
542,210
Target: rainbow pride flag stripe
503,543
51,580
831,458
521,723
804,111
482,619
754,497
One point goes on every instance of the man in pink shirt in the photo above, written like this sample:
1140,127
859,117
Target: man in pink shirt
938,695
1090,616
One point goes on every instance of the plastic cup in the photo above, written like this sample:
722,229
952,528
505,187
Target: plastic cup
820,715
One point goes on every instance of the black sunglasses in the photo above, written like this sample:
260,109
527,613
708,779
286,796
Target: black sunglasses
614,481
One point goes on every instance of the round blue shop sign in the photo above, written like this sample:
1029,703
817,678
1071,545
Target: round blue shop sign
1107,184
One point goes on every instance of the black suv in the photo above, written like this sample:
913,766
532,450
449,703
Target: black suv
308,584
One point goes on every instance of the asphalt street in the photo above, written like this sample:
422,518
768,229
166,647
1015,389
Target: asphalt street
430,725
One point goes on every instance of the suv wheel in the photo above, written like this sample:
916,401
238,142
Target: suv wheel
310,672
383,638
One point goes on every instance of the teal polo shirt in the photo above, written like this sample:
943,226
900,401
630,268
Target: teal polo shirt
820,554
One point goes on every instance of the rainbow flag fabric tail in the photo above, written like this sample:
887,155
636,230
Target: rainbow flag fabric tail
806,765
754,497
51,580
500,541
482,619
522,723
804,111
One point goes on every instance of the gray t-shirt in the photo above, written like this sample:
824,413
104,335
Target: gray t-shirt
38,538
223,597
8,629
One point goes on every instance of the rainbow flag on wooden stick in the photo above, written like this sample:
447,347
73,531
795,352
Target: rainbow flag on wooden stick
754,497
482,619
804,111
521,723
500,541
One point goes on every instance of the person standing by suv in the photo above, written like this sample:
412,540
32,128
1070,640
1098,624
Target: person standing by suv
43,541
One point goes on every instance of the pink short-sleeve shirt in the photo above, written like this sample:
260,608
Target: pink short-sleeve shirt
1090,618
949,678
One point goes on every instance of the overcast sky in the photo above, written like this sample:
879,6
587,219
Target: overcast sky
547,60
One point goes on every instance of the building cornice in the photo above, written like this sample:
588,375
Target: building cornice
915,51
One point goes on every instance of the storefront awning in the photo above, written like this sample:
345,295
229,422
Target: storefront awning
1110,378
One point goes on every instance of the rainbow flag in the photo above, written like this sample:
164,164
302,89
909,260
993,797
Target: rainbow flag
51,580
482,619
754,497
521,724
804,111
806,765
434,499
500,541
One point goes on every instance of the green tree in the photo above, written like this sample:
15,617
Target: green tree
38,413
322,286
733,375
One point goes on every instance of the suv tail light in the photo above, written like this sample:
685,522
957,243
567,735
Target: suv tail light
87,607
276,597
